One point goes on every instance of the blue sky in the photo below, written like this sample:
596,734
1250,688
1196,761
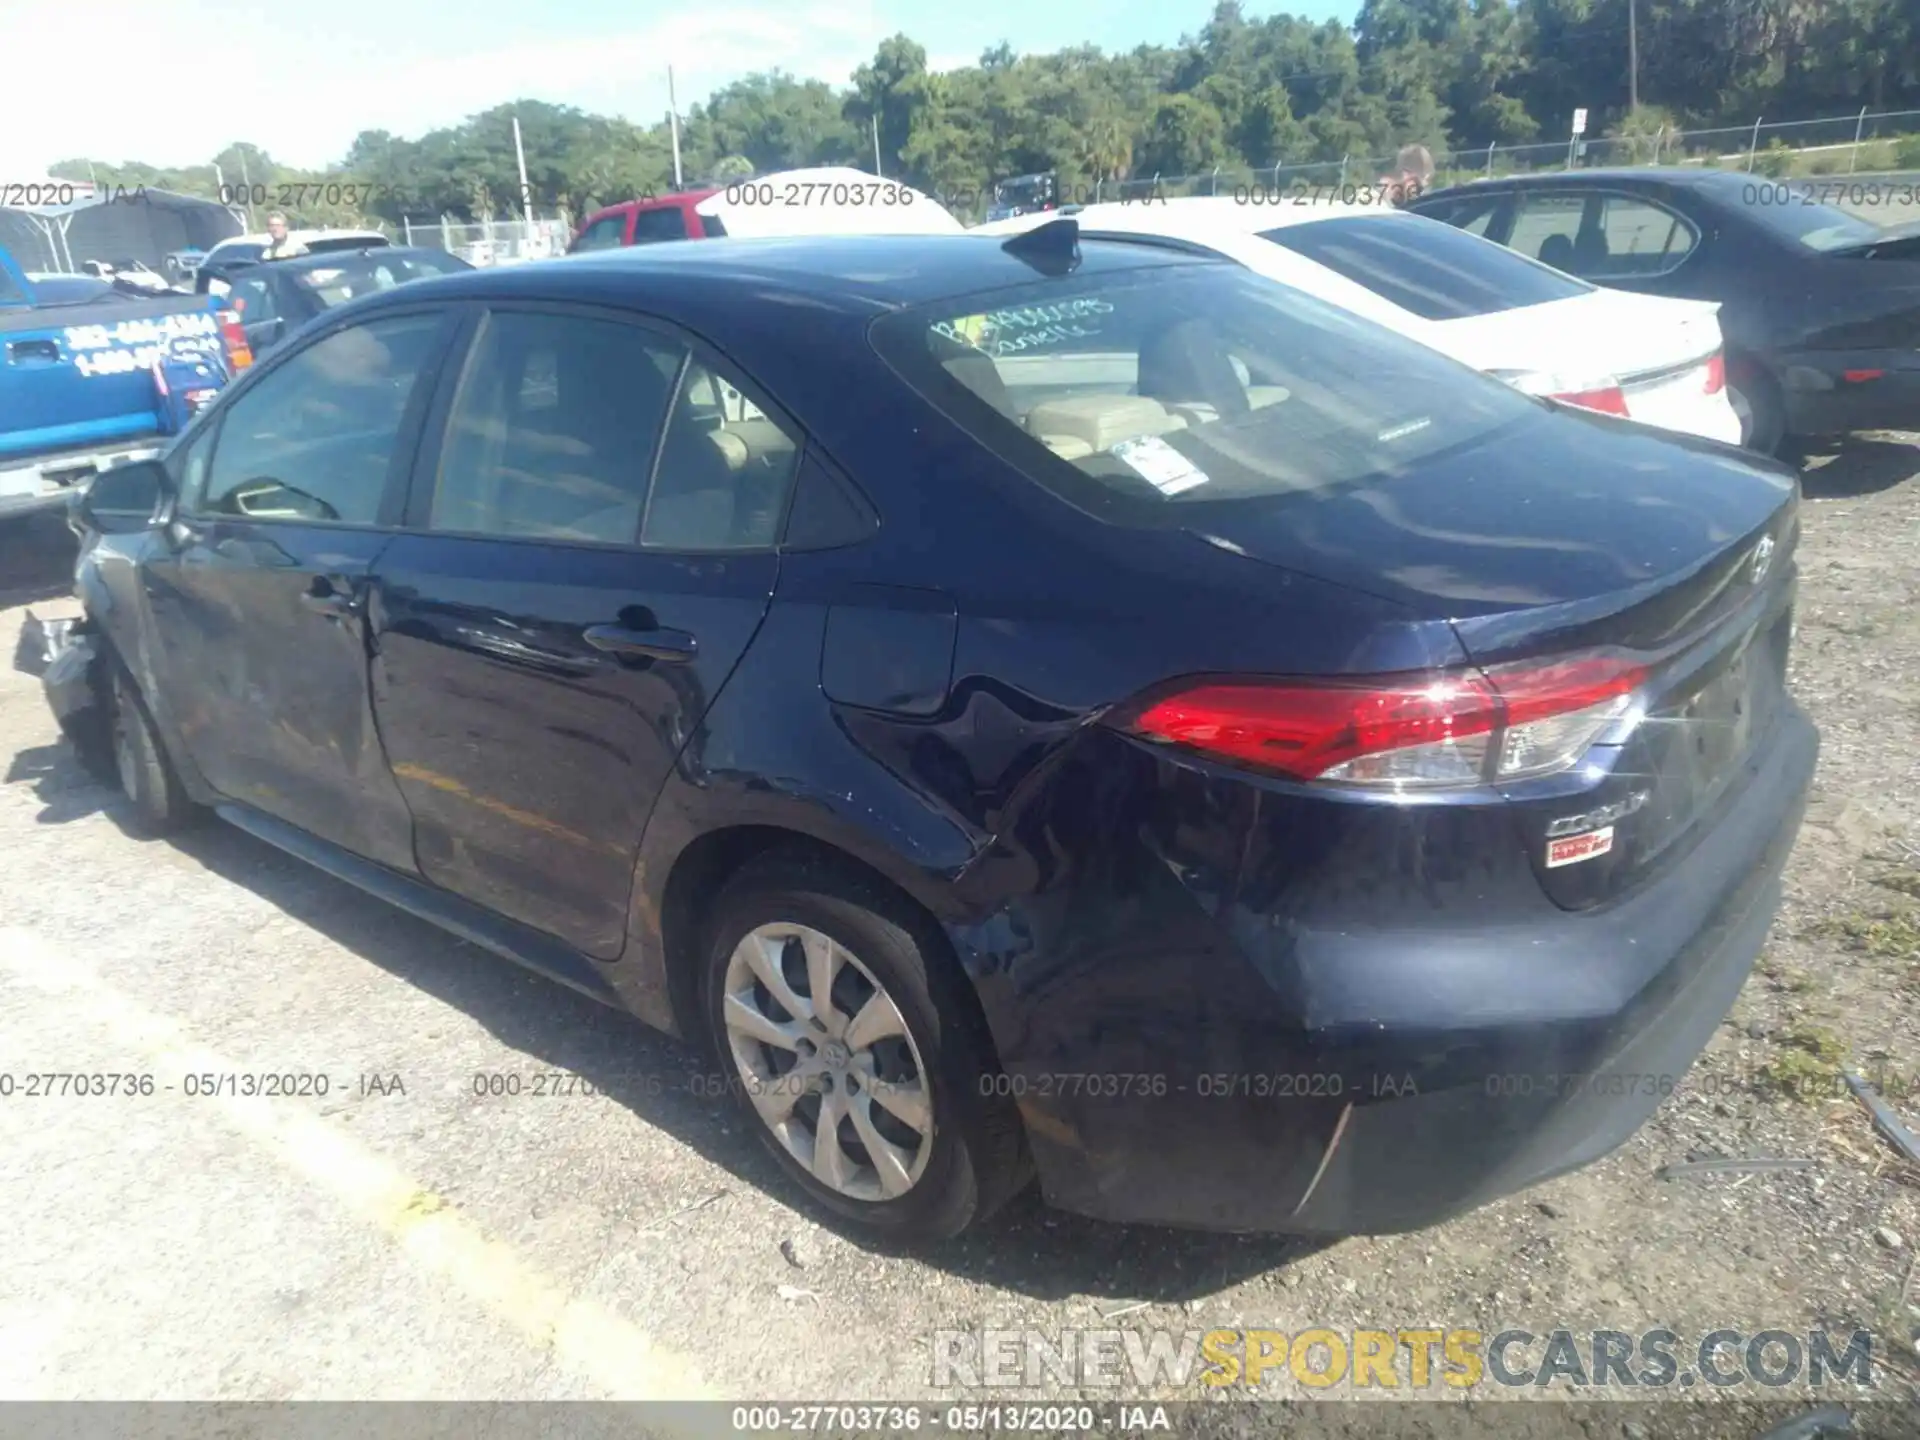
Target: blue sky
302,81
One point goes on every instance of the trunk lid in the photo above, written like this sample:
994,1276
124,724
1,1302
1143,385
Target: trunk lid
1547,540
1612,332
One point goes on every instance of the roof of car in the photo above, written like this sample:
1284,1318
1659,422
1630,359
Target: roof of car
303,236
325,258
1178,216
679,199
837,272
1695,177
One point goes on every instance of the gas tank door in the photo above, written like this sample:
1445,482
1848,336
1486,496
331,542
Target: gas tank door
890,647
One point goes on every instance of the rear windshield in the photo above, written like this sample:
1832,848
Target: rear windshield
324,244
1426,267
1141,392
1790,212
336,284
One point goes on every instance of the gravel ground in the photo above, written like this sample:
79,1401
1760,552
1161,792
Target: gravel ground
427,1242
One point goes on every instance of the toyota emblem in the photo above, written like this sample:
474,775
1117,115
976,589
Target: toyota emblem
1762,558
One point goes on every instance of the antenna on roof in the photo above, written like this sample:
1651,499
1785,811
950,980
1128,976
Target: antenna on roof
1052,248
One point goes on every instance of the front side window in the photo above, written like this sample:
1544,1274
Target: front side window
315,438
1425,267
607,233
1141,395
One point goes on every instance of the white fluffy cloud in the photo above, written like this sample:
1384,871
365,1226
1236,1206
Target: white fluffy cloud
302,85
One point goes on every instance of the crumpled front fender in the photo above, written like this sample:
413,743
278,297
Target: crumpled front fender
69,659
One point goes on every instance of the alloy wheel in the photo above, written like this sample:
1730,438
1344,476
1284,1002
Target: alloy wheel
827,1060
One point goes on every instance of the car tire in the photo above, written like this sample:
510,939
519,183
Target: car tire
923,1147
145,774
1763,419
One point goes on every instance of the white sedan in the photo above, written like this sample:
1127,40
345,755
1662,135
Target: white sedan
1654,360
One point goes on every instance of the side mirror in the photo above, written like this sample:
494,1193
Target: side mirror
121,498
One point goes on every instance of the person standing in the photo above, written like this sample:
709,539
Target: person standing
280,245
1412,177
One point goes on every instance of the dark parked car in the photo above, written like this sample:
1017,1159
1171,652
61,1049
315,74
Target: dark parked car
1820,309
1042,704
274,298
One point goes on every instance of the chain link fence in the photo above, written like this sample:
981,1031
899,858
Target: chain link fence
1864,143
488,241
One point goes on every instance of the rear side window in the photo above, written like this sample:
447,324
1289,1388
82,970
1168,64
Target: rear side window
1547,228
606,233
1425,267
553,429
332,285
315,439
665,222
724,471
1139,394
251,298
1636,238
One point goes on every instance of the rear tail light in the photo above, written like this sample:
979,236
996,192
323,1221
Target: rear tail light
239,353
1421,731
1603,393
1716,372
1607,399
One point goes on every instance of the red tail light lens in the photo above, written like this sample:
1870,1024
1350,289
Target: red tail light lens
1426,731
239,353
1716,372
1611,400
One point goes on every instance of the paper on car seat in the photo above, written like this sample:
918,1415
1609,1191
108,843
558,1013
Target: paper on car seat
1159,464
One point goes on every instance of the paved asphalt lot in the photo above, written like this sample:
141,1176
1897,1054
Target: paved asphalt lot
432,1242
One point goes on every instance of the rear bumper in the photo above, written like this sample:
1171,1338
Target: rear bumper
1257,1071
1822,400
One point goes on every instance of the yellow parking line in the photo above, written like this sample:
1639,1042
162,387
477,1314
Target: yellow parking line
584,1336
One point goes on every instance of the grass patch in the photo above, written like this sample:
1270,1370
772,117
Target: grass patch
1781,976
1889,935
1807,1067
1901,882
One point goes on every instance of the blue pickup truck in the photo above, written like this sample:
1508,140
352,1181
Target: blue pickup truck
92,375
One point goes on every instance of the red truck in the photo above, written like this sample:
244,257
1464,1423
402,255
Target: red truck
648,220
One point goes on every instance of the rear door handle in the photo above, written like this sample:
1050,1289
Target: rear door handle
671,646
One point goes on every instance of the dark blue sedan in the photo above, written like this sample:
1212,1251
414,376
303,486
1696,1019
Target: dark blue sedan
1058,707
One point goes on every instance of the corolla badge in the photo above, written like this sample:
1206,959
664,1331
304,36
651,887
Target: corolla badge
1762,558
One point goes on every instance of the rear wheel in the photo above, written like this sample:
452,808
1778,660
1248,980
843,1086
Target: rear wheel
147,777
1756,401
855,1047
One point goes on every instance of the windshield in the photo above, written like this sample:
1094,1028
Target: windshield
350,278
1140,392
1430,269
